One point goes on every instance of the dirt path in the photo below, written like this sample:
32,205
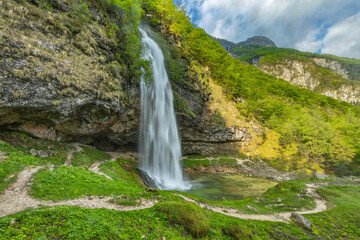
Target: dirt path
95,168
16,199
70,154
275,217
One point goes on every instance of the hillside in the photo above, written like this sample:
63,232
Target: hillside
325,74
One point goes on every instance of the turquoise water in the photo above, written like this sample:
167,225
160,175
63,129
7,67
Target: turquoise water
228,187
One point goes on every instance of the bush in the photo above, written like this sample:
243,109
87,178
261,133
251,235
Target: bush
193,218
236,231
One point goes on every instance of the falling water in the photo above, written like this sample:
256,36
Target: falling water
160,146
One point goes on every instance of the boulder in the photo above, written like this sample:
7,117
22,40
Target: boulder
320,176
41,153
301,221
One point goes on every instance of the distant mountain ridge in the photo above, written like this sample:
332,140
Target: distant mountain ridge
256,40
328,75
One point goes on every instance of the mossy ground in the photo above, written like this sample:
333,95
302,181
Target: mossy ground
192,161
172,217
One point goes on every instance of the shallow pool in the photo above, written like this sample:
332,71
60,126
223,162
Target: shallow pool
228,187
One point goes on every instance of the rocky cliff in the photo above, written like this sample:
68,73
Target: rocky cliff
308,74
61,79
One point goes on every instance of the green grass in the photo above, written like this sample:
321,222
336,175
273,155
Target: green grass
217,160
88,156
338,223
196,163
121,169
177,219
341,195
343,220
82,223
229,162
69,182
18,158
195,157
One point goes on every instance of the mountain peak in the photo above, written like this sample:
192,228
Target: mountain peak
257,40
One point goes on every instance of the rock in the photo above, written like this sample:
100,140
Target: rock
332,65
320,176
41,153
2,156
301,221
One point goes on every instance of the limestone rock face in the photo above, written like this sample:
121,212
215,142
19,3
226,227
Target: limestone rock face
60,80
302,74
332,65
294,72
63,85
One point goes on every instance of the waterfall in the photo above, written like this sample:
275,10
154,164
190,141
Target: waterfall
160,147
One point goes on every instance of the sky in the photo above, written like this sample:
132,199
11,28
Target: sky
322,26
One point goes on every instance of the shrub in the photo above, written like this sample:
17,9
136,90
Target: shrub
193,218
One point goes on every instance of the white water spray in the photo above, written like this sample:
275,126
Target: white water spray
160,148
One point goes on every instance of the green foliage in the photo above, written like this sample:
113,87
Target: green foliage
45,4
69,182
192,217
128,14
88,156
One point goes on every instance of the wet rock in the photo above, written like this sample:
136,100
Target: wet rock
301,221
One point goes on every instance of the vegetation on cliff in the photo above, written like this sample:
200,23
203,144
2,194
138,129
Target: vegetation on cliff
324,130
248,53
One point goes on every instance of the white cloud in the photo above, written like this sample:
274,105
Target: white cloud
343,38
289,23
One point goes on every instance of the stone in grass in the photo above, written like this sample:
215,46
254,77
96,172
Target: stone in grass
41,153
301,221
319,176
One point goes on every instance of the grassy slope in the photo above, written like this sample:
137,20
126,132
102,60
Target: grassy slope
173,218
